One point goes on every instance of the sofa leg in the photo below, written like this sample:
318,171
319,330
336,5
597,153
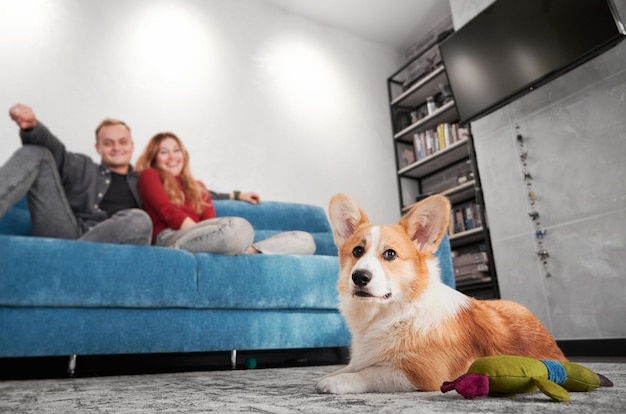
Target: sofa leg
71,365
233,359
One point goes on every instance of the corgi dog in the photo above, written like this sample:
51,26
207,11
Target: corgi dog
409,330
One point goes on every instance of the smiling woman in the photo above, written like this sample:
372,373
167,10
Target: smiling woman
170,157
182,213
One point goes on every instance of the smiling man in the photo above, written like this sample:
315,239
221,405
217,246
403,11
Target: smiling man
69,195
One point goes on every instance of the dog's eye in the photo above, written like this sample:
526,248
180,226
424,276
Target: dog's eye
389,254
357,251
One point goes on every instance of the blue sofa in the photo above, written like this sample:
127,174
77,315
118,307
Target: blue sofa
65,297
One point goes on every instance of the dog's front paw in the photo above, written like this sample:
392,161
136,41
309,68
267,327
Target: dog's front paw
348,383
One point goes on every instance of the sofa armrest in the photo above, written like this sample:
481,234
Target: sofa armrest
444,254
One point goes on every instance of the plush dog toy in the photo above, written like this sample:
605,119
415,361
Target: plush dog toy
508,375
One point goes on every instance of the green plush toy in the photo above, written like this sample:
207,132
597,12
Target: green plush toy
504,374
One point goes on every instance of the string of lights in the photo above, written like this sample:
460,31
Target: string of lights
540,233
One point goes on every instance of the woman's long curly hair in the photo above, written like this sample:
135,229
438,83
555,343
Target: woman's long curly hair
191,190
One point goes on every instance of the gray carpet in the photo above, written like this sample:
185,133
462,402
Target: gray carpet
283,390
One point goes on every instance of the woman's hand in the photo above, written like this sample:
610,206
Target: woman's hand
250,197
188,222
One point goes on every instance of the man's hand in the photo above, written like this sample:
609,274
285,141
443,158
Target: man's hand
23,116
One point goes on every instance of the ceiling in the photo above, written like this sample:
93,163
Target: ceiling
396,23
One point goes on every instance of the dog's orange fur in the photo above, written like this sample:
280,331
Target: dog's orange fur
425,330
486,328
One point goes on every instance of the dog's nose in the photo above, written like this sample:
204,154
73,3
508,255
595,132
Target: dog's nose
361,277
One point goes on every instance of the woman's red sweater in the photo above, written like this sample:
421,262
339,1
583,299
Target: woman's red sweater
164,213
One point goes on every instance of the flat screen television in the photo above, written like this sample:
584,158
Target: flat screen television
514,46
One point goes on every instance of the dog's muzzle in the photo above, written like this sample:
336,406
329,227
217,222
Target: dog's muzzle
361,278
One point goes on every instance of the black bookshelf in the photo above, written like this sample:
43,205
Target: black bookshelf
435,155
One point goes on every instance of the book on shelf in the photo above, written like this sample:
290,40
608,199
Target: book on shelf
457,222
466,259
469,216
431,141
471,269
441,139
448,178
418,147
464,217
477,216
473,278
447,134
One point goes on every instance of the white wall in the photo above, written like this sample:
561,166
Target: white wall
264,100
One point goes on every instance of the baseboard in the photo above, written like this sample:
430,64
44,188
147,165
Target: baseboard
133,364
594,347
103,365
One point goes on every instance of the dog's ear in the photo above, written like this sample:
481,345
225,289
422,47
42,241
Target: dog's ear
427,222
345,217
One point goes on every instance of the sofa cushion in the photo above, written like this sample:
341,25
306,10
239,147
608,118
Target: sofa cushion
37,271
267,282
66,273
